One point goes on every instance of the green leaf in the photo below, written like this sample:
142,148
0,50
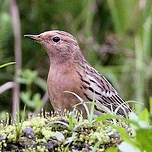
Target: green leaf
144,115
22,80
41,83
92,109
70,123
144,139
112,149
36,100
4,65
28,76
151,105
125,135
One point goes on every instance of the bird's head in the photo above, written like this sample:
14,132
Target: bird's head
58,44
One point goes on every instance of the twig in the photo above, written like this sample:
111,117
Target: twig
6,86
17,50
44,100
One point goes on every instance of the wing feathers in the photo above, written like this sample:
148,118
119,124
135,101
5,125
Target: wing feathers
94,84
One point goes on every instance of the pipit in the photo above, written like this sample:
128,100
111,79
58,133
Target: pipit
69,71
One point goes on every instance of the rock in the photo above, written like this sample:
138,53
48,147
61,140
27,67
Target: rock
28,132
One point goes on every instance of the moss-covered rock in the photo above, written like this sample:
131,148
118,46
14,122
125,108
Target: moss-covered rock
57,133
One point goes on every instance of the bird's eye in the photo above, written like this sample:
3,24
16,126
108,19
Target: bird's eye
56,39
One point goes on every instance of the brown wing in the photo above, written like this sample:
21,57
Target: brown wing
96,85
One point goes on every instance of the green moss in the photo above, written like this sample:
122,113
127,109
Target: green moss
52,136
47,133
37,121
41,149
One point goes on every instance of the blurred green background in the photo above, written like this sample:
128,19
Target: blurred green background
114,35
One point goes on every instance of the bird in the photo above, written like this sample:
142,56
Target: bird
70,71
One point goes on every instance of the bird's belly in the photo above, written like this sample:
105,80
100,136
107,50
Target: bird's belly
60,99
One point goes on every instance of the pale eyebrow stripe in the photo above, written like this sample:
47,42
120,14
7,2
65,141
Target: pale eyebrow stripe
65,34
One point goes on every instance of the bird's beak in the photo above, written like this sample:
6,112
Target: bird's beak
33,37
